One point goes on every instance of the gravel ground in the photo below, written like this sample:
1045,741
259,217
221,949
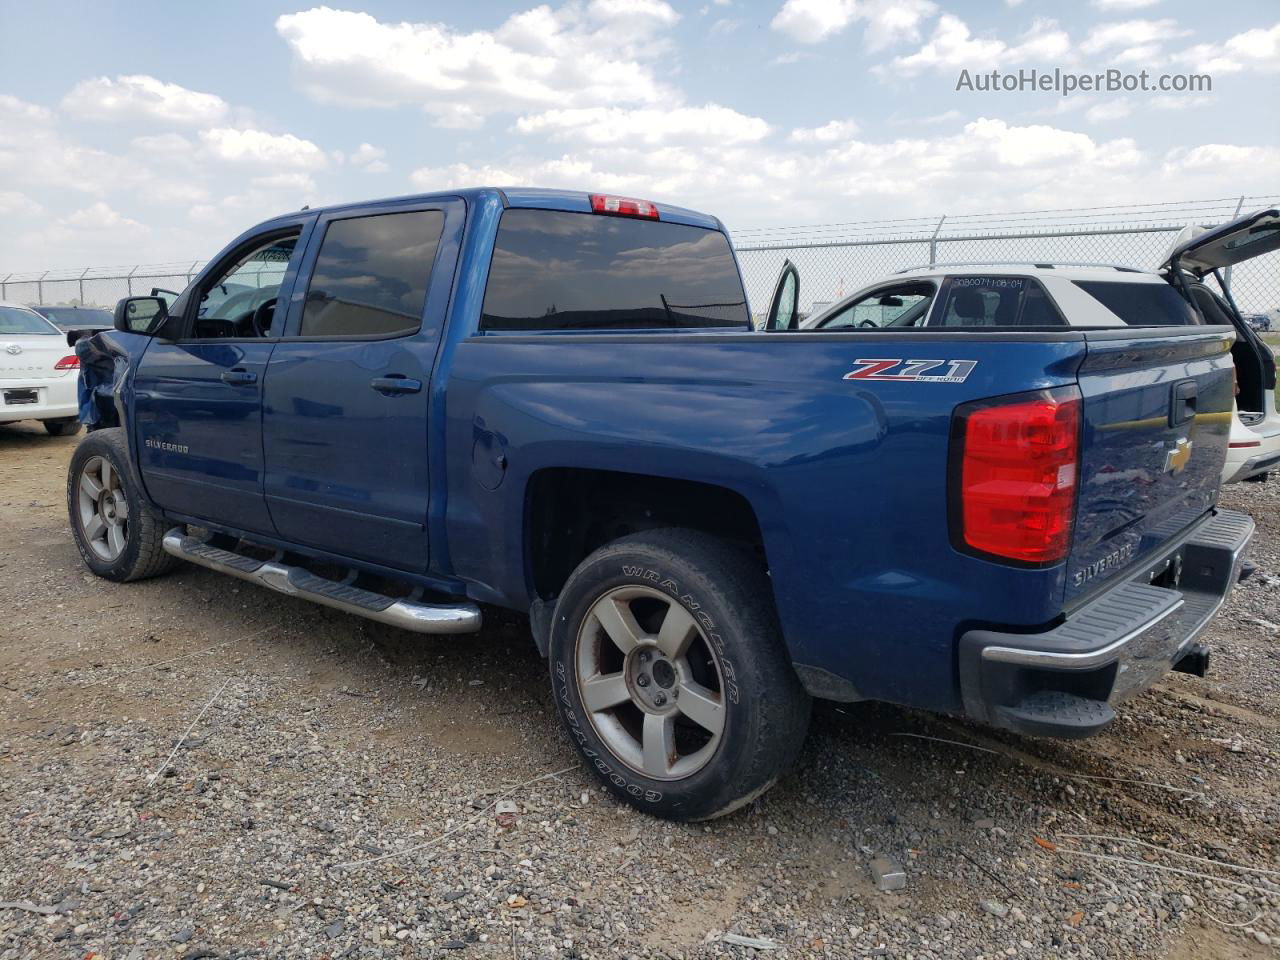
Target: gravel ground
348,790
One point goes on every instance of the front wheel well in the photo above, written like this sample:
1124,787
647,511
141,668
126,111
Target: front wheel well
571,512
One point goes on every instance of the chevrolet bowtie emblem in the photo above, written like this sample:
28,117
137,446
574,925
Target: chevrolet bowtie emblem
1176,459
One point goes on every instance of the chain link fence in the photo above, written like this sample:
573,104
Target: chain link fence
837,259
95,286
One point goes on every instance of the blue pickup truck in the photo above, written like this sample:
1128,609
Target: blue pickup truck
555,402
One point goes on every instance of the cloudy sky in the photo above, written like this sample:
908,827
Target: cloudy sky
147,132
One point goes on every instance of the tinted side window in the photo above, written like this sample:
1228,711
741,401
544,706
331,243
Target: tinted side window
997,302
574,271
1141,304
371,275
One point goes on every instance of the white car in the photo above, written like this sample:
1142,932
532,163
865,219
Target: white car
38,372
1024,296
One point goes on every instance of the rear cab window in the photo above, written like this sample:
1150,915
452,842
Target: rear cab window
1142,304
556,270
996,301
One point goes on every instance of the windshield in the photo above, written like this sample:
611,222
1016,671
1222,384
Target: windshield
15,321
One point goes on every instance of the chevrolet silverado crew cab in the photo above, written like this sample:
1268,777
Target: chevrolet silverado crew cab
554,402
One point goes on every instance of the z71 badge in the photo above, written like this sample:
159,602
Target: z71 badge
924,371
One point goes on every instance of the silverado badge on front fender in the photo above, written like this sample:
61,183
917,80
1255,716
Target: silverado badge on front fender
954,371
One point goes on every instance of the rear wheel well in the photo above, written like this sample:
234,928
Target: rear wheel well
570,513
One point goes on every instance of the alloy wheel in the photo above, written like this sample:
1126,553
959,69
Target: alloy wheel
651,682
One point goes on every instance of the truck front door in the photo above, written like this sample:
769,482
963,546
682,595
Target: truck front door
347,390
198,397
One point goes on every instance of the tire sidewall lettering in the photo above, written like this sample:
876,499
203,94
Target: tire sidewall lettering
583,740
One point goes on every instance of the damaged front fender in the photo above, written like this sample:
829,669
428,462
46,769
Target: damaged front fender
104,386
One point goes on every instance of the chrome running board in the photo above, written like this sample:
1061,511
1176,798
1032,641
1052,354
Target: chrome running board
460,617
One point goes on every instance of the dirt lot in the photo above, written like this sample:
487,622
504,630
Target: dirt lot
334,794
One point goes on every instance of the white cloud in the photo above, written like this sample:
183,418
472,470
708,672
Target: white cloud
543,58
888,21
894,21
1111,6
100,216
827,133
370,159
1220,159
262,149
1109,110
952,46
15,204
791,56
643,14
287,182
600,125
33,152
171,146
1127,34
1179,101
181,192
1254,49
989,163
131,97
811,21
947,116
19,113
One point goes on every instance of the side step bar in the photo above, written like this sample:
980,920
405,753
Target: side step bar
461,617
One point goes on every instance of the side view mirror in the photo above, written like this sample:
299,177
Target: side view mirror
142,315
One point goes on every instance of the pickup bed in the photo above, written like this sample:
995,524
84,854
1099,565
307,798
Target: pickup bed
554,402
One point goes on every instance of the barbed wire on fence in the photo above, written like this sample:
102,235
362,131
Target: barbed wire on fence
837,259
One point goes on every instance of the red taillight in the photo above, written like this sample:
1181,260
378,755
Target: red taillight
1014,475
68,363
623,206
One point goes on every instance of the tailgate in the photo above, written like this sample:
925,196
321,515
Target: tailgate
1156,420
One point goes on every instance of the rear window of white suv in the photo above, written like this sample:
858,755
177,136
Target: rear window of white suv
1142,304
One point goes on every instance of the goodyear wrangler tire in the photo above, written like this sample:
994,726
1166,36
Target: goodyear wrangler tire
117,532
671,677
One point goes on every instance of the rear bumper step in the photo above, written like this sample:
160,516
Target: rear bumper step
1065,681
461,617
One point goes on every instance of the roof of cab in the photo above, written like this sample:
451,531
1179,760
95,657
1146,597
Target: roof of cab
574,201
